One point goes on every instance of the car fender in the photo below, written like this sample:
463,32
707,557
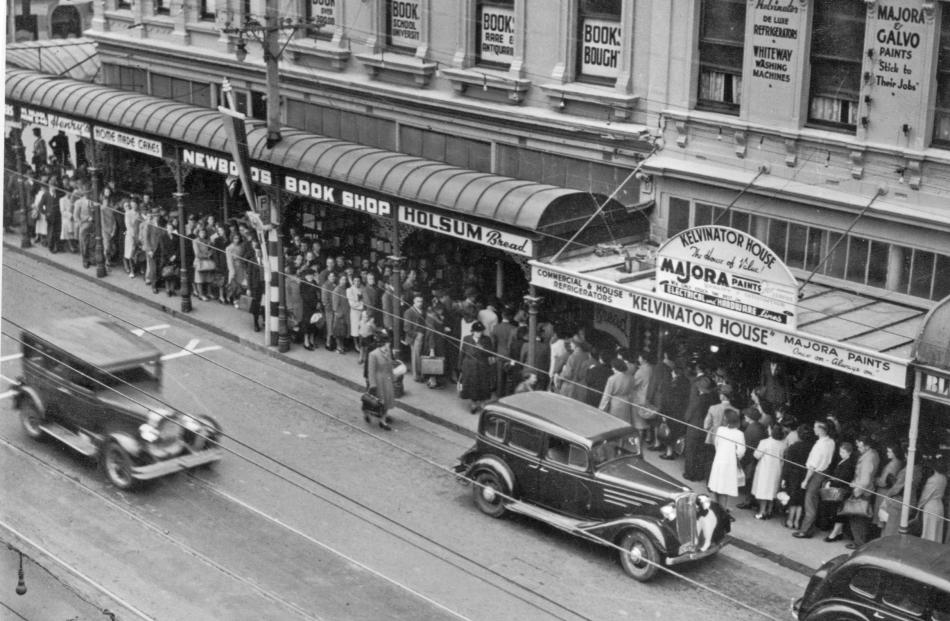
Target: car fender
836,610
622,526
496,465
129,444
25,392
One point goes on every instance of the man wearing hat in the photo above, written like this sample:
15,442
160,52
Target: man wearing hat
702,395
82,216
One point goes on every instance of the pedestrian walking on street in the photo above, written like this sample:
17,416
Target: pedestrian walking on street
840,479
931,500
354,298
862,486
702,395
379,377
237,269
83,215
255,286
616,396
768,472
107,224
341,313
414,324
204,264
793,473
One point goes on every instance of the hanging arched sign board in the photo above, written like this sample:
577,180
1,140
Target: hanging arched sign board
730,271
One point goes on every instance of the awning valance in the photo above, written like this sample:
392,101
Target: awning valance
548,212
70,58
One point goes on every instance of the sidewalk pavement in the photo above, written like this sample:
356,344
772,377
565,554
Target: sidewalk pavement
764,538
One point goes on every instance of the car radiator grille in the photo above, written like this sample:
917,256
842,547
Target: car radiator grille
686,521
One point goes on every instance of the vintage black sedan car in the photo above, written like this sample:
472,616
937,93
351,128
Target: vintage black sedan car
96,387
898,578
580,469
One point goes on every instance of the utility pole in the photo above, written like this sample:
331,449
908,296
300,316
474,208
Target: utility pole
25,241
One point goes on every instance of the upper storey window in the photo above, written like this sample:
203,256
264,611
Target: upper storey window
321,18
837,44
941,136
599,40
721,41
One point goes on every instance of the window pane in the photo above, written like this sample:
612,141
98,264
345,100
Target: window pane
903,282
865,582
720,54
495,427
836,54
813,254
678,220
740,221
857,259
797,236
704,215
525,438
777,232
942,104
201,94
942,278
161,86
922,274
410,140
835,264
906,595
877,264
181,90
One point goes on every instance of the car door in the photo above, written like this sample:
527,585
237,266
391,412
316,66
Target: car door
77,397
524,446
869,593
564,477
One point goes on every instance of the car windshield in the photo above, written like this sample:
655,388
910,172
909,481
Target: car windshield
617,447
150,371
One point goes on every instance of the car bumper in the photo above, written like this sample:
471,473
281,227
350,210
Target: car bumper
176,464
693,556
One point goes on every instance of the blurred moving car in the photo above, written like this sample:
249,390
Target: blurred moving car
580,469
96,387
893,578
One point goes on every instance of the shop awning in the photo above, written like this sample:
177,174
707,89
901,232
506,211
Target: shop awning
839,329
525,205
70,58
932,347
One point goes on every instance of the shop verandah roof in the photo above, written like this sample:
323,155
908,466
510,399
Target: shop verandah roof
522,204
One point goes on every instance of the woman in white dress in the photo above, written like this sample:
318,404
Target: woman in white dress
354,295
133,220
730,447
768,472
67,230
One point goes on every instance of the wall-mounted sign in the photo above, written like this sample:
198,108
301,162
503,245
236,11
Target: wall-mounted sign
728,270
774,57
469,231
601,46
794,344
223,165
325,10
497,34
54,121
130,142
8,111
405,23
935,386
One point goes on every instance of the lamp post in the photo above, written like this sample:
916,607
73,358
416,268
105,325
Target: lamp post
268,35
25,241
185,286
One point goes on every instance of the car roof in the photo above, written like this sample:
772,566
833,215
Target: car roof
563,412
909,556
99,342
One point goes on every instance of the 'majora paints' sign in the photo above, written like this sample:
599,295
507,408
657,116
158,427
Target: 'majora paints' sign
731,271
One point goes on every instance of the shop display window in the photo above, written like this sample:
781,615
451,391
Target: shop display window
495,33
600,41
941,135
721,44
837,49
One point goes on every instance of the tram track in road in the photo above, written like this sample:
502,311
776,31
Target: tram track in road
504,585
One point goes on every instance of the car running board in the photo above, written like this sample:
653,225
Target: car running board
549,517
77,441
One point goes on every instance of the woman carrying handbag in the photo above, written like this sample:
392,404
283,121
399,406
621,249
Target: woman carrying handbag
379,379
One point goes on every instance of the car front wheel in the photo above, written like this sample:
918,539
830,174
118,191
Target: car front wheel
488,494
639,556
31,419
117,465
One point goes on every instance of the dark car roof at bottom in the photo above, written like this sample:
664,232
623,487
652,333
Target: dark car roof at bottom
908,556
564,412
97,341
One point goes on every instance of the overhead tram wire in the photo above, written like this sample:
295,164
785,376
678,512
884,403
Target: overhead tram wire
329,488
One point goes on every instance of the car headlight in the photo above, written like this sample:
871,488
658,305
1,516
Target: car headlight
668,511
191,424
148,432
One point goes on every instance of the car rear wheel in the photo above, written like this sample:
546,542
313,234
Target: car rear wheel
117,465
31,419
639,556
487,493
